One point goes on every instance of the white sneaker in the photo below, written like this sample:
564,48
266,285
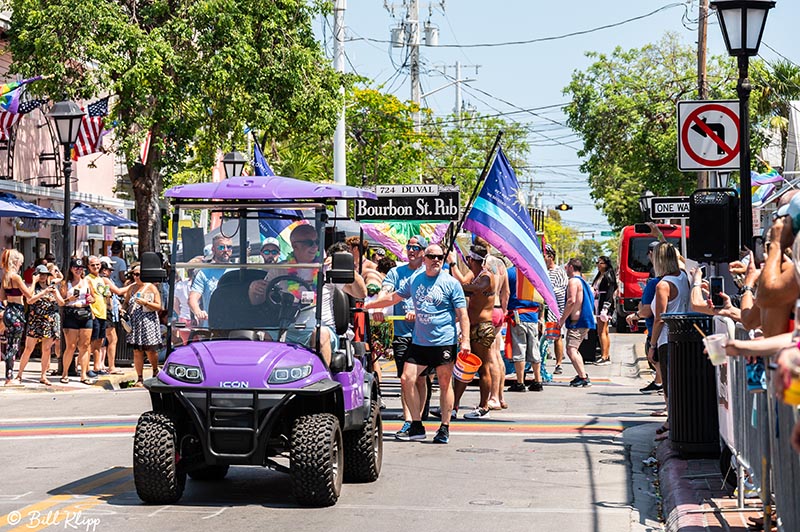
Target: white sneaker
478,413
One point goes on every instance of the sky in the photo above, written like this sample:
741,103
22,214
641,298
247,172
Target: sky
531,76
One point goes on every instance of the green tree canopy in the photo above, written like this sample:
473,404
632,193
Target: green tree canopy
192,72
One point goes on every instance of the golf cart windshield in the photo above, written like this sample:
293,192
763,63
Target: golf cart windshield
261,284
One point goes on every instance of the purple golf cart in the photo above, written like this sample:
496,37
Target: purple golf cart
244,382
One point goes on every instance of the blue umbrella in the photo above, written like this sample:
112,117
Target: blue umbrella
41,213
8,209
83,214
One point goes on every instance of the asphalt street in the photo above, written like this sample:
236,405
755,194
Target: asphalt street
563,459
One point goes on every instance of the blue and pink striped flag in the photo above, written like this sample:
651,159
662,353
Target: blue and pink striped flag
499,216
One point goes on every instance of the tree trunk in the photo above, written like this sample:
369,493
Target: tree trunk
146,183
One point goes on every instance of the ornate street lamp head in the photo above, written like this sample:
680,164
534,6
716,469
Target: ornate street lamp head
67,115
742,23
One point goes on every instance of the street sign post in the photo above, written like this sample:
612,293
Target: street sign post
669,207
708,135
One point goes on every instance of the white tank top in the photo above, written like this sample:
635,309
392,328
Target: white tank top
83,291
679,304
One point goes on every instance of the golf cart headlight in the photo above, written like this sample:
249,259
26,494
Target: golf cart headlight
291,374
185,373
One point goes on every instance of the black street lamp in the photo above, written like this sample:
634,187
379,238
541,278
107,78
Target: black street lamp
644,204
67,115
233,161
742,23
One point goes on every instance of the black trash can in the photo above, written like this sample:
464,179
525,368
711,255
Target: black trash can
124,355
693,422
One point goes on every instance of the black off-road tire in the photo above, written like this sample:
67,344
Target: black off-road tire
316,459
155,460
210,473
363,449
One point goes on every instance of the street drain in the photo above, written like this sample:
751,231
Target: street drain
476,450
488,502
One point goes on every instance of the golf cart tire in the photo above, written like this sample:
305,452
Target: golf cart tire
210,473
363,448
316,459
155,460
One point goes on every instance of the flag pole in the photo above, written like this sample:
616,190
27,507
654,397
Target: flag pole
475,190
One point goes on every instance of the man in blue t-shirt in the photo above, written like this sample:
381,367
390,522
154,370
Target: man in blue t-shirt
206,280
439,304
522,324
397,278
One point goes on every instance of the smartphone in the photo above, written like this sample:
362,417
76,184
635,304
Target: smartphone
641,228
716,285
703,271
76,292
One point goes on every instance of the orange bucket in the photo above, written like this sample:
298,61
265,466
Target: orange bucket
552,330
466,367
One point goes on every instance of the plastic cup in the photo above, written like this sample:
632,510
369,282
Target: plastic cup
715,345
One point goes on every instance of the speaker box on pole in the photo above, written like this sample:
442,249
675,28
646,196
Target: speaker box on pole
193,242
714,225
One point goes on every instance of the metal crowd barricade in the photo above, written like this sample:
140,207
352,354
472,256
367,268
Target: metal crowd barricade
759,438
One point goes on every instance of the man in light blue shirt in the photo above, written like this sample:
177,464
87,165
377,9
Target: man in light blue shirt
206,280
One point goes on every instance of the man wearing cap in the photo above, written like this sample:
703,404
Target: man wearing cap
119,267
270,250
359,249
395,280
205,282
558,278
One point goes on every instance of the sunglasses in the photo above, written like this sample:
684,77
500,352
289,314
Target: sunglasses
307,243
135,274
94,265
223,247
434,256
270,252
411,247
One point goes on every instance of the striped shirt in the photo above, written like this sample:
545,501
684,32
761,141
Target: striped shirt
559,280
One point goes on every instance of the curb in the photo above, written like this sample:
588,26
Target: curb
642,367
678,499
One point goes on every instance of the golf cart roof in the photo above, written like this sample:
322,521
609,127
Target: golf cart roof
266,188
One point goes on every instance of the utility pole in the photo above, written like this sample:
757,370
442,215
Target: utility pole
702,85
339,166
412,21
458,93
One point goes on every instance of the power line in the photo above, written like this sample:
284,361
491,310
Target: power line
545,39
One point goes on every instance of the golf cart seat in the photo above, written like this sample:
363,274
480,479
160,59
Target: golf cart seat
230,308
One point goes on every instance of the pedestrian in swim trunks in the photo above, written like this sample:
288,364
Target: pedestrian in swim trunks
479,285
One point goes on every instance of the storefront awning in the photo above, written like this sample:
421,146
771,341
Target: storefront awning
83,214
38,212
8,210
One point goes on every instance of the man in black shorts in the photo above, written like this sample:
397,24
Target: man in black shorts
439,304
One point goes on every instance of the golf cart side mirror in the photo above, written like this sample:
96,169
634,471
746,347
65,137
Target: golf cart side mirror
342,269
151,269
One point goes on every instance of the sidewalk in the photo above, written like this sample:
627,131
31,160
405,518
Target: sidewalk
694,495
33,371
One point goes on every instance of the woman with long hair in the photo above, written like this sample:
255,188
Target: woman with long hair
144,303
78,295
16,291
44,321
672,295
604,284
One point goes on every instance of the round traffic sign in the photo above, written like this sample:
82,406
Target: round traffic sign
694,119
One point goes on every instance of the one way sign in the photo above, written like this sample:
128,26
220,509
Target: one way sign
708,135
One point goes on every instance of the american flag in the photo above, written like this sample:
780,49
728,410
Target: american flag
91,131
9,120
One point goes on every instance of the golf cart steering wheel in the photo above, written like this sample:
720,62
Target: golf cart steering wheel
275,295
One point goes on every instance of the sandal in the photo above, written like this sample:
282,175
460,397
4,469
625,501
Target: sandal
116,371
503,405
46,382
87,382
139,384
662,429
64,380
493,405
659,413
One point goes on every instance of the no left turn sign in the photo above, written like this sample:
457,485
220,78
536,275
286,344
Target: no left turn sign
708,135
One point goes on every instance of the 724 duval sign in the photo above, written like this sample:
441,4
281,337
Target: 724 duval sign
410,202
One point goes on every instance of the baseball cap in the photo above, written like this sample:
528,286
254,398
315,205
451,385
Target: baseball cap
207,255
653,245
270,241
548,250
421,240
42,270
74,263
105,262
379,251
792,210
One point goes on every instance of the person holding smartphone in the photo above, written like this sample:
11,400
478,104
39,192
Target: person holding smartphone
144,302
44,321
77,295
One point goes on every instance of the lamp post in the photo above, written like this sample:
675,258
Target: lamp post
233,161
644,204
67,116
742,23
